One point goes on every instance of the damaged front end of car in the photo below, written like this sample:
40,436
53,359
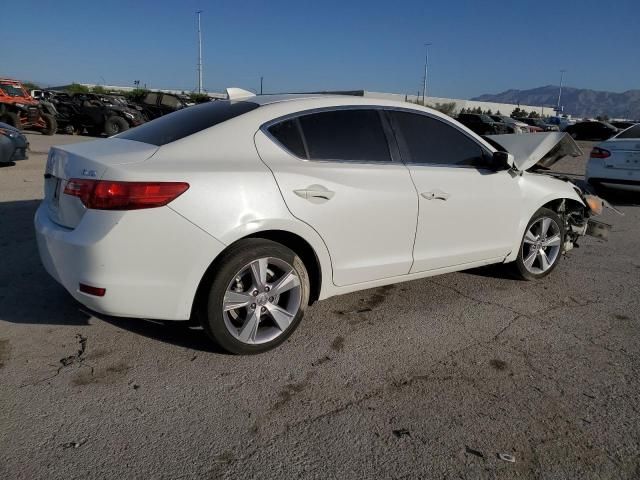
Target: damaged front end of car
536,153
578,219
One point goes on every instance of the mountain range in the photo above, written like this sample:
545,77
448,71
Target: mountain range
576,101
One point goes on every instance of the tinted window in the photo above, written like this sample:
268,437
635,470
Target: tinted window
188,121
432,141
288,134
631,132
349,135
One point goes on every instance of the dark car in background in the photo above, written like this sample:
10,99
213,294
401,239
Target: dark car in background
540,123
482,124
622,124
157,104
592,130
13,145
513,125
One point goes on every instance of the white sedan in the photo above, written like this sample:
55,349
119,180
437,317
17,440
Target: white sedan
241,213
615,163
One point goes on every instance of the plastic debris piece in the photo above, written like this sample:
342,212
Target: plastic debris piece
507,458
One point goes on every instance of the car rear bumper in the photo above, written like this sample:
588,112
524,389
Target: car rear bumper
597,173
149,261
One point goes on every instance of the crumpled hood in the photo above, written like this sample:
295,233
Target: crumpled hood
542,149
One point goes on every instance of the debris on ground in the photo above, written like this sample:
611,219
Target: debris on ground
401,432
507,458
74,444
473,451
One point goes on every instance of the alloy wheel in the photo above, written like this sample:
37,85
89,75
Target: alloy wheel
541,245
262,300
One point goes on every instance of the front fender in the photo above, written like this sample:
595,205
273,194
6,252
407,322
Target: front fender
537,191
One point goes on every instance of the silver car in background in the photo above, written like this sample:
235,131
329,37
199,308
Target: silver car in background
13,144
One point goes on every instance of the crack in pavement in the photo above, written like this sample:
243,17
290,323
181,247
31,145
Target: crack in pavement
77,358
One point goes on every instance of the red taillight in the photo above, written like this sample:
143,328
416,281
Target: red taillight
111,195
600,153
95,291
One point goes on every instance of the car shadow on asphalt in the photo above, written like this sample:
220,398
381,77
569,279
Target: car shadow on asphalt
498,270
28,295
620,198
179,333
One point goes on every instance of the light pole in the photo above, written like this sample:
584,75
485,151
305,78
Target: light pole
558,107
261,78
199,53
426,66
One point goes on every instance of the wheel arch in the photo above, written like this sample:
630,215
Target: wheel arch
295,242
554,203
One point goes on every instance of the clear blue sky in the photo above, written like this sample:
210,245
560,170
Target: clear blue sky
479,46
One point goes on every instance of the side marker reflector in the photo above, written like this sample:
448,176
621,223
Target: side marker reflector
95,291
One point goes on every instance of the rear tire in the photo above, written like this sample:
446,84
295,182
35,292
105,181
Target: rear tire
257,297
114,125
12,119
541,245
51,124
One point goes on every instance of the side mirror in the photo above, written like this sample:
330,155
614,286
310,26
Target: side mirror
502,160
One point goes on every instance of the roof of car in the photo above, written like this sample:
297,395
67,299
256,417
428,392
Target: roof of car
287,97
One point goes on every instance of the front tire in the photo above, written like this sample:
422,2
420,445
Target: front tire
541,246
51,125
257,297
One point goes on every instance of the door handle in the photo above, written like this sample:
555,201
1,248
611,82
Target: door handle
315,193
435,195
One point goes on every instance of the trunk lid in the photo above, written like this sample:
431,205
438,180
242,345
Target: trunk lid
542,149
625,153
88,160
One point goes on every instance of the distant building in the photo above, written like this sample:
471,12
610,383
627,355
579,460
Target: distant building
503,108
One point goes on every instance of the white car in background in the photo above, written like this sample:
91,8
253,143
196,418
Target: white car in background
615,163
241,213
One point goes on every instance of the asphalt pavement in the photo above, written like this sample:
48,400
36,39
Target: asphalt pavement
432,378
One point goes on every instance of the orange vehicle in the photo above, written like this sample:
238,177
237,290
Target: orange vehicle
21,110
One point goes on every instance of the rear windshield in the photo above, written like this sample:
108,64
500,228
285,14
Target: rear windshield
631,132
188,121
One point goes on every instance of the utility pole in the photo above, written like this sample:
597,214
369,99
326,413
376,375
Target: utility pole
426,66
261,78
199,53
559,107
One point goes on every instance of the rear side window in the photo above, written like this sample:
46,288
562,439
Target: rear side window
151,98
345,135
170,101
188,121
431,141
631,132
288,134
